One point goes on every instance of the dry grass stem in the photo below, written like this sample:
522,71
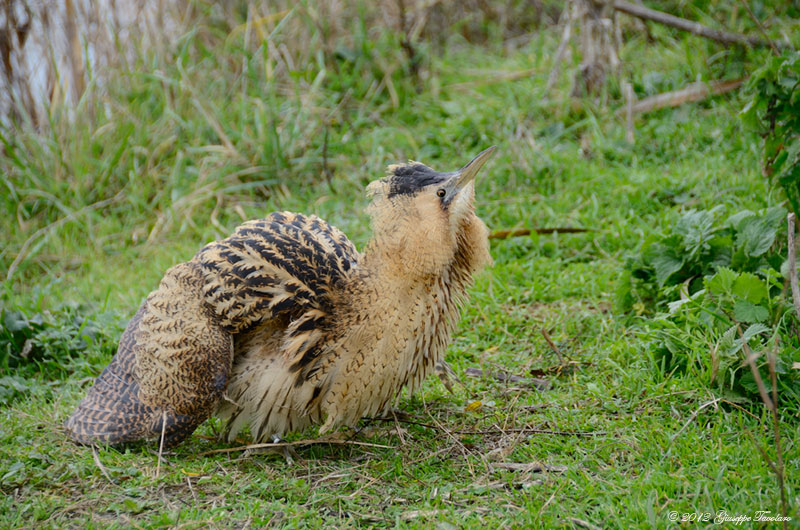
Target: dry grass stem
553,347
566,34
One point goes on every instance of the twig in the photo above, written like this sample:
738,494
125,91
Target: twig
688,422
514,232
779,468
325,169
793,263
691,94
100,464
191,489
292,444
630,99
398,429
562,48
161,443
696,28
553,347
763,32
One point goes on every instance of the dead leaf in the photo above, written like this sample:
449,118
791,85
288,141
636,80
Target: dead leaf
475,405
796,365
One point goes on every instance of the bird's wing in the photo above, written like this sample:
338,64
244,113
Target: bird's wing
286,263
174,359
170,369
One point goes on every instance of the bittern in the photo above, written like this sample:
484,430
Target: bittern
284,324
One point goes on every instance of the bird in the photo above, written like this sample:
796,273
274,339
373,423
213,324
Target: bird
285,325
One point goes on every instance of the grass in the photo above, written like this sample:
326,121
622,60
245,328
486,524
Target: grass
180,149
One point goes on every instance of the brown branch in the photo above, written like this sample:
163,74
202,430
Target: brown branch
793,264
750,359
779,467
514,232
692,93
696,28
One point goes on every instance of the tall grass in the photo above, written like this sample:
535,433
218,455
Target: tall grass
247,99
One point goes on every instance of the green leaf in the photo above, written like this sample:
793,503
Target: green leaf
696,228
756,234
735,219
750,287
666,262
749,333
744,311
15,321
752,331
721,282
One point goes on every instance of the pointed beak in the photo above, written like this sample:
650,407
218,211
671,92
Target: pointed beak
467,173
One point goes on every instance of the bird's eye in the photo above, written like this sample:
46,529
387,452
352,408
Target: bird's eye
441,193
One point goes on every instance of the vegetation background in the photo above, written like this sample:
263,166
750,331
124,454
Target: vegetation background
612,377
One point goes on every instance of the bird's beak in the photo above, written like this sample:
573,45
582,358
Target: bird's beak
467,173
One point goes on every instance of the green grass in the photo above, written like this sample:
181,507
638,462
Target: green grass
183,148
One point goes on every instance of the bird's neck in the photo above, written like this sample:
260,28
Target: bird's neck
396,326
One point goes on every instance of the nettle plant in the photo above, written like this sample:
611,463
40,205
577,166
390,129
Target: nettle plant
774,110
718,285
38,345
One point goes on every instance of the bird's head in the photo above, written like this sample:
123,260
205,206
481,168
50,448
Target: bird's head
421,217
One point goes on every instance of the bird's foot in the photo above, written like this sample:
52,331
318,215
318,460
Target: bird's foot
282,448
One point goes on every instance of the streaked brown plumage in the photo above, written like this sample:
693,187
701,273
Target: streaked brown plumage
285,324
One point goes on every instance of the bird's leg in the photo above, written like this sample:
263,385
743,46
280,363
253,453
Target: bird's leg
287,451
446,375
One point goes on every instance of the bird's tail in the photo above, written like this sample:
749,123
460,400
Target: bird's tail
112,411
